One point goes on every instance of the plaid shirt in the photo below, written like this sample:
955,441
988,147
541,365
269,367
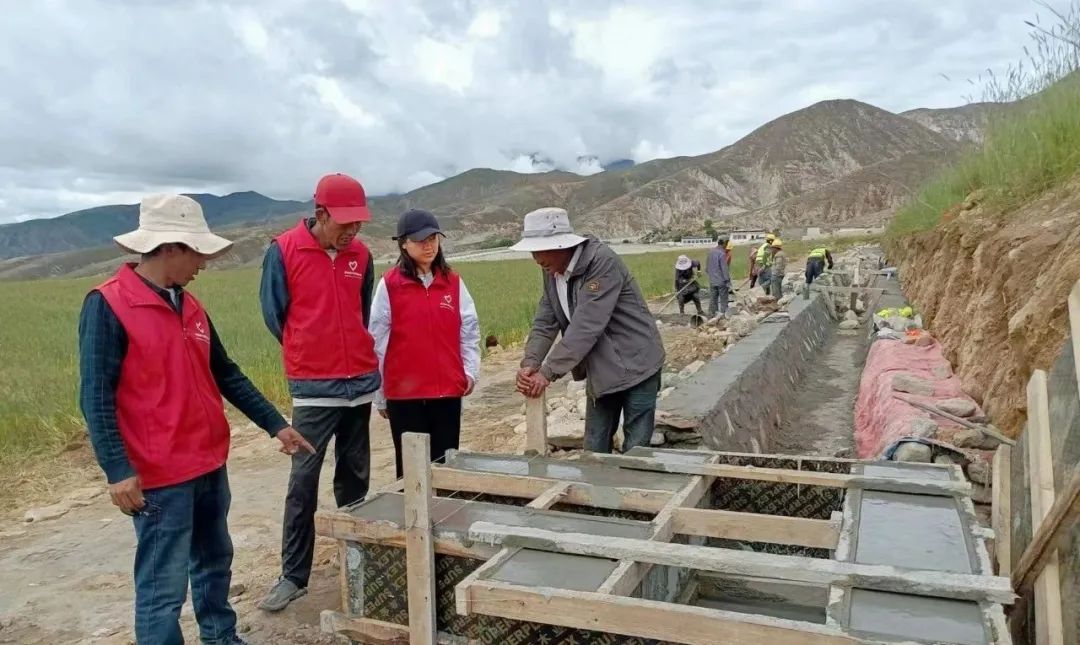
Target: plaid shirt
102,345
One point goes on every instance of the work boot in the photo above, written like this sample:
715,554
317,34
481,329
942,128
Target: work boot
282,593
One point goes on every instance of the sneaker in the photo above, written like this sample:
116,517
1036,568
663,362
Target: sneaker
281,594
236,640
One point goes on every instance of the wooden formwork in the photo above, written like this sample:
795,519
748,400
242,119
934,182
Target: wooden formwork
678,519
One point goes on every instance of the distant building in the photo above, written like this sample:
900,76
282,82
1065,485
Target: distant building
697,241
747,236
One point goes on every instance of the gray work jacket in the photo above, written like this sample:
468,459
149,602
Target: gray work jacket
610,338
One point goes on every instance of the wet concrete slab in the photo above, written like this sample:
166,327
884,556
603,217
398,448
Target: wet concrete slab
938,620
670,456
588,473
540,569
457,515
914,531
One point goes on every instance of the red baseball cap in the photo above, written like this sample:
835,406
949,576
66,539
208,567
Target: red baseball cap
343,197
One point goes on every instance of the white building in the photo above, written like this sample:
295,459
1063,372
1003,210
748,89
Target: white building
697,241
748,236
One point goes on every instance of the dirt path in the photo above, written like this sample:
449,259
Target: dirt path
68,580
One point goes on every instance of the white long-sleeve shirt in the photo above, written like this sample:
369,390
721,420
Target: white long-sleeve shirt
470,331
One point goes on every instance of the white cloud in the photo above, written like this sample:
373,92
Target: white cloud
127,98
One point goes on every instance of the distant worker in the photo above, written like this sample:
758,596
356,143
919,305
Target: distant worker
815,263
759,260
427,337
778,267
609,336
152,374
316,298
686,285
719,271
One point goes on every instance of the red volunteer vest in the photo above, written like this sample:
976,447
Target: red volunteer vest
169,409
423,357
324,336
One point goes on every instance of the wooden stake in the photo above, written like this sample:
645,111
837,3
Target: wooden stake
536,425
1048,619
1048,537
419,549
1001,509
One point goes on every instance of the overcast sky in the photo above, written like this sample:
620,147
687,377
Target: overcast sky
104,101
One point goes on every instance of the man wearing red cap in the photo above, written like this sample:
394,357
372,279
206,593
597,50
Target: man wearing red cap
316,299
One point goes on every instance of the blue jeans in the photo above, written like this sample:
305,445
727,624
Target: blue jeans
183,533
636,404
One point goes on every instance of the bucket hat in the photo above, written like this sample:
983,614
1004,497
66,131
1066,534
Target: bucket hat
547,229
169,219
682,263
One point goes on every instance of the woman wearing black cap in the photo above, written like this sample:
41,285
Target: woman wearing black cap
427,338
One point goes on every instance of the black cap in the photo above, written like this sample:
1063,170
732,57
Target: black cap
417,225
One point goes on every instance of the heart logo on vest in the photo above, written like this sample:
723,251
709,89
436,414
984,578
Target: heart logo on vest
352,265
447,302
200,332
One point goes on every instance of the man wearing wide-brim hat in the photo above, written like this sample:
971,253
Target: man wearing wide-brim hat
609,336
152,375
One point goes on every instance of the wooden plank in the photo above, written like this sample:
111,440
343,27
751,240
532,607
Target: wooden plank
342,526
527,486
749,563
1063,515
1048,619
628,574
757,527
648,619
536,425
846,290
343,576
1074,329
551,496
377,632
788,476
1001,509
419,547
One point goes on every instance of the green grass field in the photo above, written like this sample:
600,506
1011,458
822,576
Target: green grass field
39,412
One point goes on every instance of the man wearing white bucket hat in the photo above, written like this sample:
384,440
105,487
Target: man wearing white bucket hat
609,336
152,374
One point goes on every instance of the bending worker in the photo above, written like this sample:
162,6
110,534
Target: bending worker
778,266
427,337
316,296
760,258
686,287
815,263
609,336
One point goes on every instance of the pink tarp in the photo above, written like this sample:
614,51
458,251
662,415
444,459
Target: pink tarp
881,417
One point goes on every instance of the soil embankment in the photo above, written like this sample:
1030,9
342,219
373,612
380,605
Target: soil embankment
992,287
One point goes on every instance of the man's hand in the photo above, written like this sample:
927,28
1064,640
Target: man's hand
537,384
472,384
127,495
293,442
524,379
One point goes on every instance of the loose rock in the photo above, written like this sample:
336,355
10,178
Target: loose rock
657,438
944,459
922,427
974,439
913,452
43,513
566,434
912,385
979,472
849,324
851,315
691,369
958,407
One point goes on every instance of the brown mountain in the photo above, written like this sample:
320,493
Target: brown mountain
832,163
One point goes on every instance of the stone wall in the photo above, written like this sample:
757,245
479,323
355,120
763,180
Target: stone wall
738,399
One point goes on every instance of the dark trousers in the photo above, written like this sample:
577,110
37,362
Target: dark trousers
719,294
440,418
814,268
183,534
636,404
352,463
776,288
685,299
